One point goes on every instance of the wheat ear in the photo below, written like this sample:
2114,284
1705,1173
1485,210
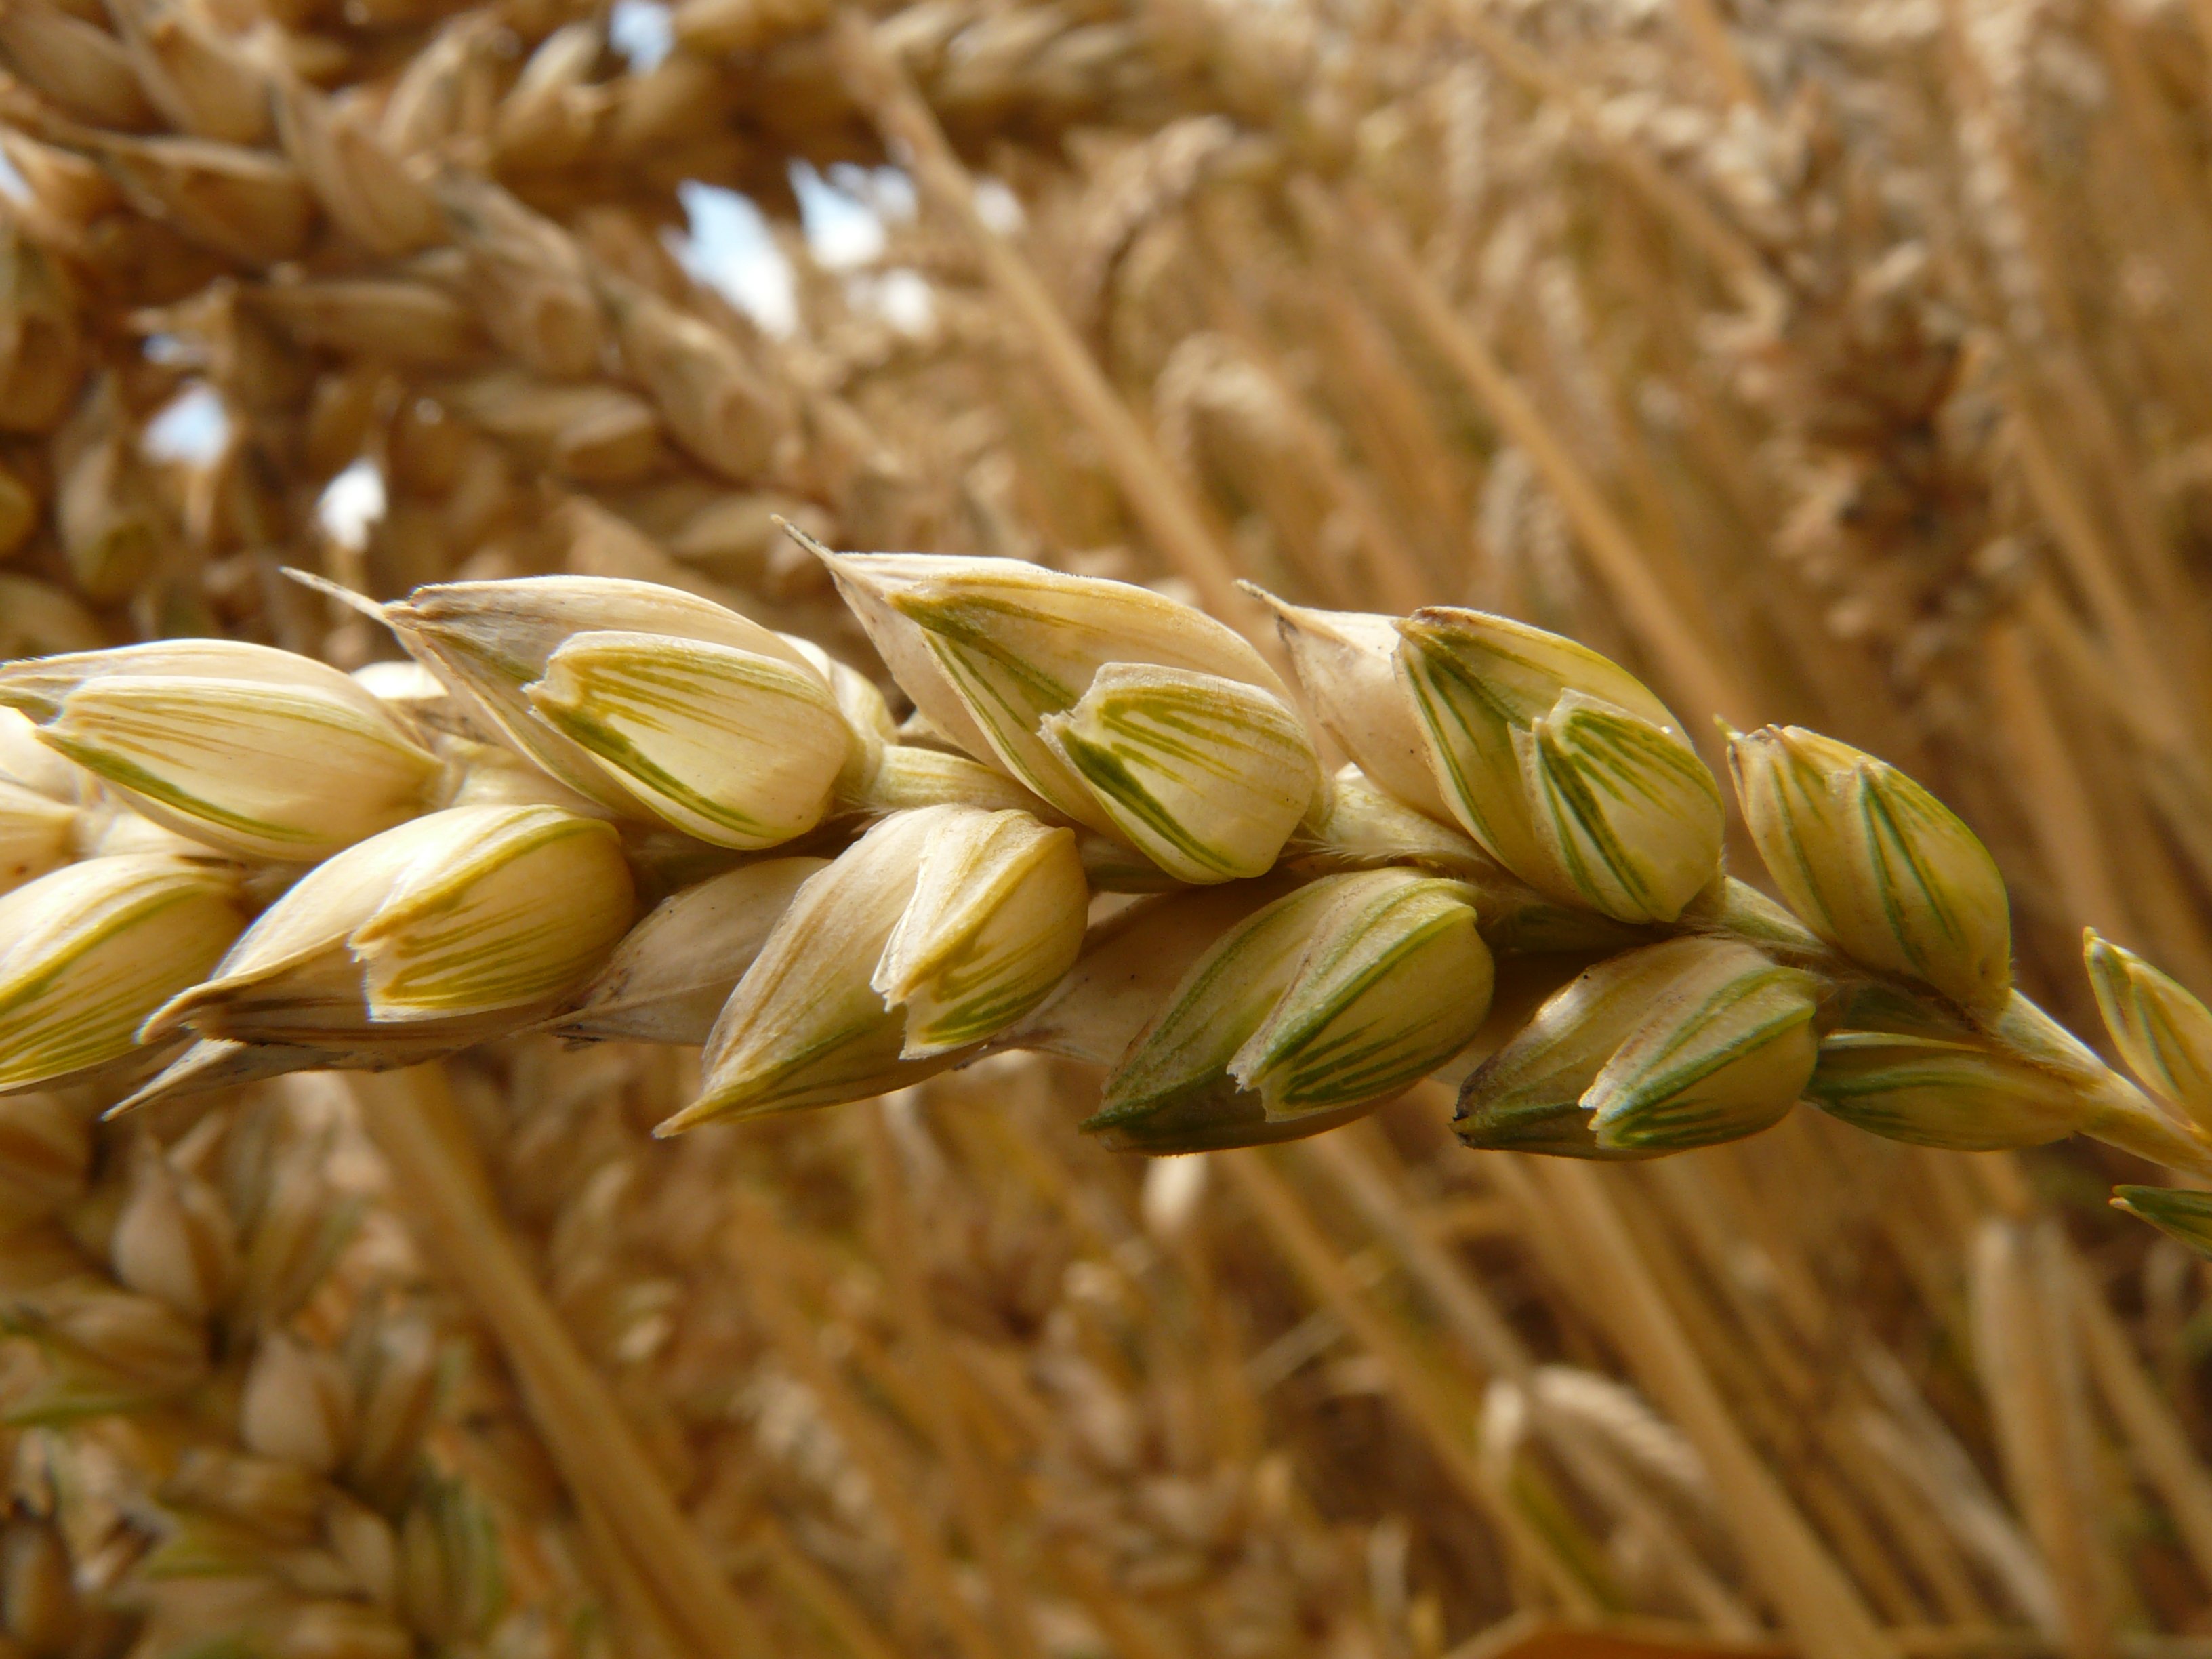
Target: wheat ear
610,809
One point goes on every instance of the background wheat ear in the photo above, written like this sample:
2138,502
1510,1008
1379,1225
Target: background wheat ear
1835,370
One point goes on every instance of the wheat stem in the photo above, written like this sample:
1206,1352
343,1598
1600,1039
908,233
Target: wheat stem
981,1516
2030,1370
1354,1161
761,1241
1730,252
1684,656
1823,1610
2163,1455
1333,1286
1175,519
1709,33
410,1116
821,1592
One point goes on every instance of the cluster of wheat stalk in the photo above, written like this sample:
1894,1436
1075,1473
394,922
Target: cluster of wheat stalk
1835,367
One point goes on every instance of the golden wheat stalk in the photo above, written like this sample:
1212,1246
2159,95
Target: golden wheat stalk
837,905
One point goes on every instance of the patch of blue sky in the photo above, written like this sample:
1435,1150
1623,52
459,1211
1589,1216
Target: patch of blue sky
642,32
731,249
192,428
351,503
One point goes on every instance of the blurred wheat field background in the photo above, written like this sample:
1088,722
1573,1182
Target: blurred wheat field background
1848,364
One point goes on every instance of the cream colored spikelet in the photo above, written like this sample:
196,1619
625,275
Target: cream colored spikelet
252,750
939,928
443,919
1565,767
1875,864
491,641
1206,776
731,746
87,952
1671,1046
